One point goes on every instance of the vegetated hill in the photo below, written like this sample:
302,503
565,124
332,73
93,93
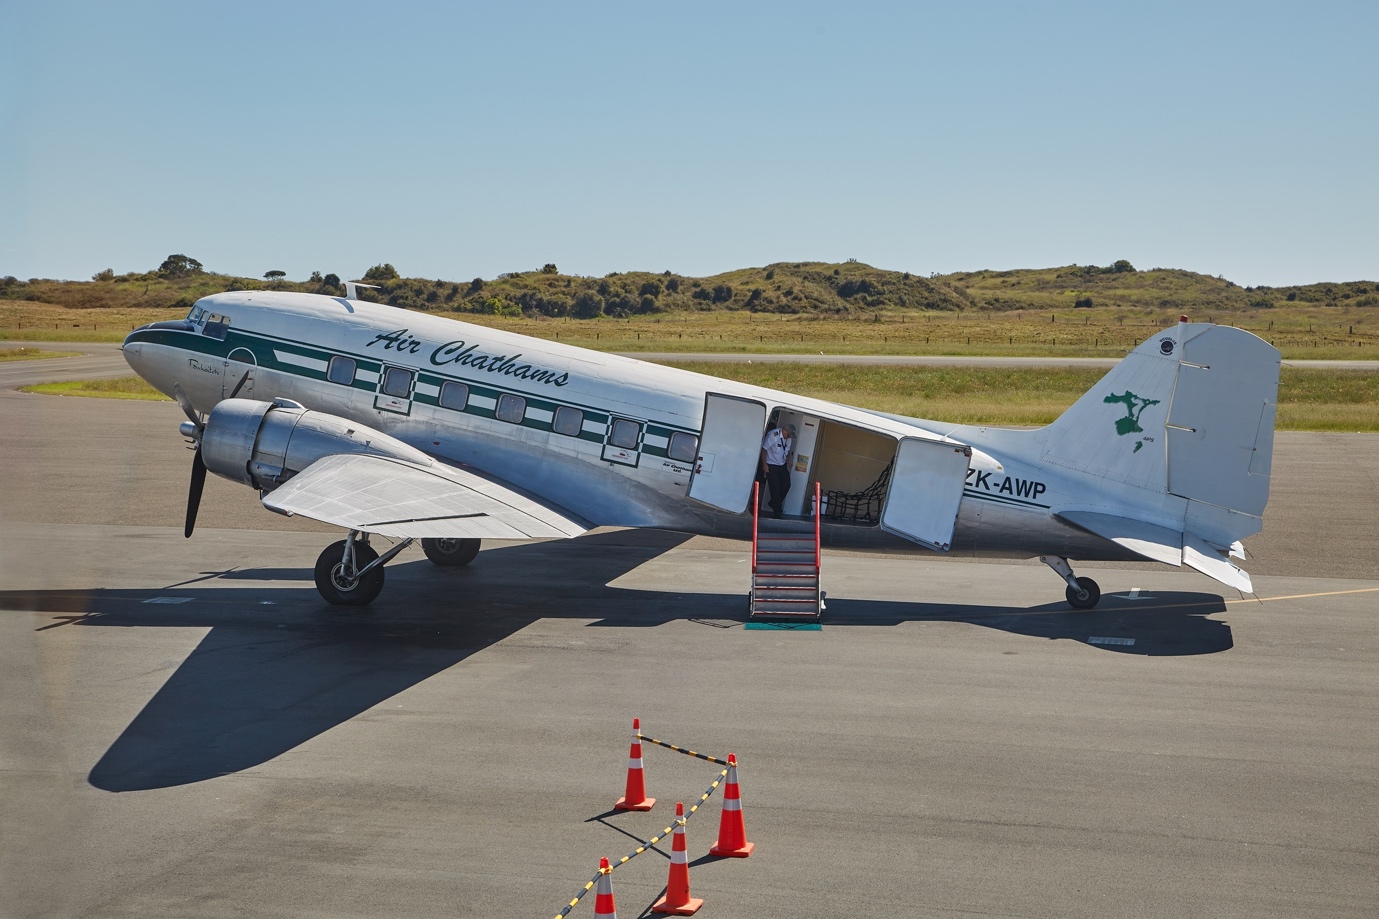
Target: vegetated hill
816,288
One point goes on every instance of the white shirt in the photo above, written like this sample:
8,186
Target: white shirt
777,447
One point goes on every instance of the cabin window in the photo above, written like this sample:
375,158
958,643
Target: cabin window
625,434
216,326
568,421
454,395
683,447
341,370
397,382
511,408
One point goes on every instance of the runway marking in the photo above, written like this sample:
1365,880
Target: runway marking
1329,593
170,600
1099,640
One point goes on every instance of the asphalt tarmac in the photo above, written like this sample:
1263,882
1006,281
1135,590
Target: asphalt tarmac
187,730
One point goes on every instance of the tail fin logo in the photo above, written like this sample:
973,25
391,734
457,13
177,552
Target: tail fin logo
1166,345
1134,408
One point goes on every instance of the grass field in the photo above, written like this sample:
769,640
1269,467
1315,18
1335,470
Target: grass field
120,388
1309,400
32,354
1301,331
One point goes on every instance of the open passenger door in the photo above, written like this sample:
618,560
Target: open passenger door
729,452
925,491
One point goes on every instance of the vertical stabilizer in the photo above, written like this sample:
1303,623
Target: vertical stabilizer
1190,412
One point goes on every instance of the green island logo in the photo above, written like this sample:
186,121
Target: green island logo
1134,407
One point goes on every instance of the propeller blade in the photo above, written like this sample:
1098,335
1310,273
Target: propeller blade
181,396
240,385
194,492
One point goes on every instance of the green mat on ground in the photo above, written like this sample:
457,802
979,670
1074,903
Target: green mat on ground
786,626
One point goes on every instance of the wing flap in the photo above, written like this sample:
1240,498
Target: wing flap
377,494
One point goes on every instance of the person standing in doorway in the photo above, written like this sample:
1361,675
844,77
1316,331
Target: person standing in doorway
775,459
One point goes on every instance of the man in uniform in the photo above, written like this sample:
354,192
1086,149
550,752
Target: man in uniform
775,459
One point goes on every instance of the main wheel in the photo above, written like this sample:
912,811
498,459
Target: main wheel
450,553
346,588
1087,597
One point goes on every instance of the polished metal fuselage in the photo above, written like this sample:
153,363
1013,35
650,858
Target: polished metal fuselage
288,340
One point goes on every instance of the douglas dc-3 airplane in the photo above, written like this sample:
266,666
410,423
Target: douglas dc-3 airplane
411,426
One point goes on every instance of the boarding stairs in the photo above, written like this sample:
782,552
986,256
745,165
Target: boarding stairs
785,566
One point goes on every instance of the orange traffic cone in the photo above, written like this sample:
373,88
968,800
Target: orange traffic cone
732,832
677,900
634,798
603,892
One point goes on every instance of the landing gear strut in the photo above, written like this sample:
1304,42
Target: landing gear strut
1082,593
350,572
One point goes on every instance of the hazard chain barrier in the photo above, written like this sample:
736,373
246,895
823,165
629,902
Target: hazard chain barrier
642,848
580,896
671,746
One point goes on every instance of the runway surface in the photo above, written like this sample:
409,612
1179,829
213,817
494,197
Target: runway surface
186,730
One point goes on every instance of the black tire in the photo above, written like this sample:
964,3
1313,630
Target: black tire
338,590
1086,598
450,553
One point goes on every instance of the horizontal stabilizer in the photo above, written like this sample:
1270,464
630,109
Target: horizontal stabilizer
1202,555
1155,543
391,497
1162,544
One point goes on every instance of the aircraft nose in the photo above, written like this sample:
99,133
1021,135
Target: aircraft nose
133,352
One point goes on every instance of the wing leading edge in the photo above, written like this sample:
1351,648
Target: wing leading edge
390,497
1161,544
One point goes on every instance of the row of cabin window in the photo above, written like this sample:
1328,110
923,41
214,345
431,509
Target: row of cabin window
568,421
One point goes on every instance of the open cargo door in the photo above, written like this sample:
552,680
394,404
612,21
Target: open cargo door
729,452
925,490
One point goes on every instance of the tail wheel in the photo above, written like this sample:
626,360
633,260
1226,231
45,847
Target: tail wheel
345,587
1085,598
450,553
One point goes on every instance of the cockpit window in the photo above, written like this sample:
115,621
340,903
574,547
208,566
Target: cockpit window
196,315
216,326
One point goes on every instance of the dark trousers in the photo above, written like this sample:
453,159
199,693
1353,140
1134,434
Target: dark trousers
778,480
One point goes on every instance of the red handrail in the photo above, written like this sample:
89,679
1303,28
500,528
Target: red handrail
818,515
756,511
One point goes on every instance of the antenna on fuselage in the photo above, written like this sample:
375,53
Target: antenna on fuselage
352,289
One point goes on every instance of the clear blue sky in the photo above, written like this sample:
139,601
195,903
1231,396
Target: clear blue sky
457,140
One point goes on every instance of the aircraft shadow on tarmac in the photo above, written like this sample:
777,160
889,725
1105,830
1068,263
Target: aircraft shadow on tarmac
279,667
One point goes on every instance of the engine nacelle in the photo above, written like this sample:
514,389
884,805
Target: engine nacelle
263,444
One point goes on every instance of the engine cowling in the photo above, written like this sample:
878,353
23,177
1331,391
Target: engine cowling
263,444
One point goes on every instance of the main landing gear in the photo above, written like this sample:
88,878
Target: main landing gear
450,553
1082,593
350,572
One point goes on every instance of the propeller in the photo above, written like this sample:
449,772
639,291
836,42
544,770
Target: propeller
192,428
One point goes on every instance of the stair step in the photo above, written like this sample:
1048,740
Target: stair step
787,571
785,614
788,558
784,543
811,588
786,594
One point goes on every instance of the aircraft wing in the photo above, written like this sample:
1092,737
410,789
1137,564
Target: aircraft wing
391,497
1161,544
